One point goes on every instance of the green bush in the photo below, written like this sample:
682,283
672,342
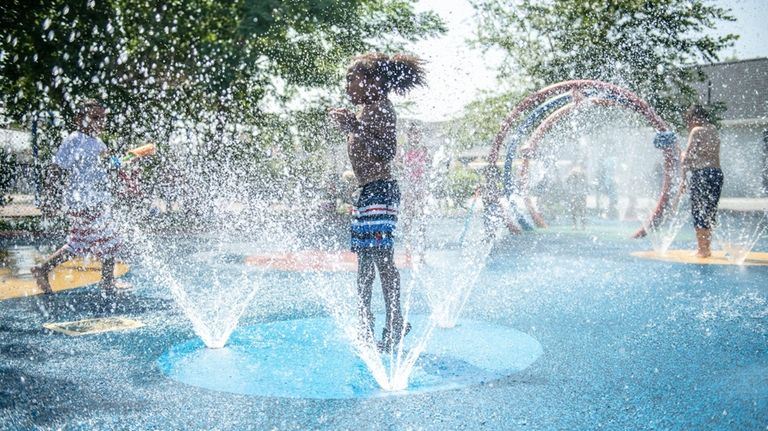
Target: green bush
462,183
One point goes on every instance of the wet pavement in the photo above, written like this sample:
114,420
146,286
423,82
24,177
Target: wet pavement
627,343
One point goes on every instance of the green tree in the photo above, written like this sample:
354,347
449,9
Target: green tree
159,63
647,46
481,119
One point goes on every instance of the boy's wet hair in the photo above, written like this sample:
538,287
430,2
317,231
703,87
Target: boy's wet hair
400,72
696,112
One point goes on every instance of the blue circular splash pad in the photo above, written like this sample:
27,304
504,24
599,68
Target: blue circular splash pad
309,358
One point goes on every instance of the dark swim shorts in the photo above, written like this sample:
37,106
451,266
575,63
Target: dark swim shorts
374,217
706,185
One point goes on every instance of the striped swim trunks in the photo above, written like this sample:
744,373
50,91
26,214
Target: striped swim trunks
91,233
374,217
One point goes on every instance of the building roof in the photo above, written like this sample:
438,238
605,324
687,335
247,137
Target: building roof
742,85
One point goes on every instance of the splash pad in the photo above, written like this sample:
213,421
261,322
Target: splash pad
552,104
307,358
606,320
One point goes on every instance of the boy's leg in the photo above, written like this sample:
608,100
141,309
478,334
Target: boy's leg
40,272
366,273
390,285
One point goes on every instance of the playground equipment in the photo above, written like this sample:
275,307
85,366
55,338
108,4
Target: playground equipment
551,104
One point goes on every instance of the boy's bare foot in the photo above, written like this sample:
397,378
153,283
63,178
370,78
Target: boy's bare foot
703,254
388,342
41,278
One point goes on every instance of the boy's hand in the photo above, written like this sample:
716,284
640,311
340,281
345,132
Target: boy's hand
343,118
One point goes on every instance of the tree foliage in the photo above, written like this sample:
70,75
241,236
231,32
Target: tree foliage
647,46
156,63
480,120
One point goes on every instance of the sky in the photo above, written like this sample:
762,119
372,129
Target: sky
457,72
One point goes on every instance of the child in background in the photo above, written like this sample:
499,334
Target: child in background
372,145
415,166
702,159
576,184
87,198
493,212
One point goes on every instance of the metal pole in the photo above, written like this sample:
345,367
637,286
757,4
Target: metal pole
36,161
765,163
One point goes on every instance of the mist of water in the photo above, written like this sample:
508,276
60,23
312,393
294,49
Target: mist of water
738,233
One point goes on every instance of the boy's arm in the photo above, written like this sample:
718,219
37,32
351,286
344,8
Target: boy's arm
691,149
344,119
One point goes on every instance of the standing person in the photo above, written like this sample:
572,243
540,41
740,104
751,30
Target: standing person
606,185
702,159
372,145
416,162
87,198
576,183
493,211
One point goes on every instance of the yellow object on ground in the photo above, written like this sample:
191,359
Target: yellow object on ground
142,151
93,326
755,258
314,260
69,275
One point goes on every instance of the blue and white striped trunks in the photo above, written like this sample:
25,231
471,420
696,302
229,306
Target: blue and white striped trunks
374,217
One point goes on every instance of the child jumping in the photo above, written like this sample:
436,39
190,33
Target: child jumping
86,197
372,145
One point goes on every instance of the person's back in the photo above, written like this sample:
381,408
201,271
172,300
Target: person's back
701,160
86,182
705,150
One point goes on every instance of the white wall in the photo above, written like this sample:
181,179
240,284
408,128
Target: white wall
742,159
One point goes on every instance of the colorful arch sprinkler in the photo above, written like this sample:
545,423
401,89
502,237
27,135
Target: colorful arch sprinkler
553,103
